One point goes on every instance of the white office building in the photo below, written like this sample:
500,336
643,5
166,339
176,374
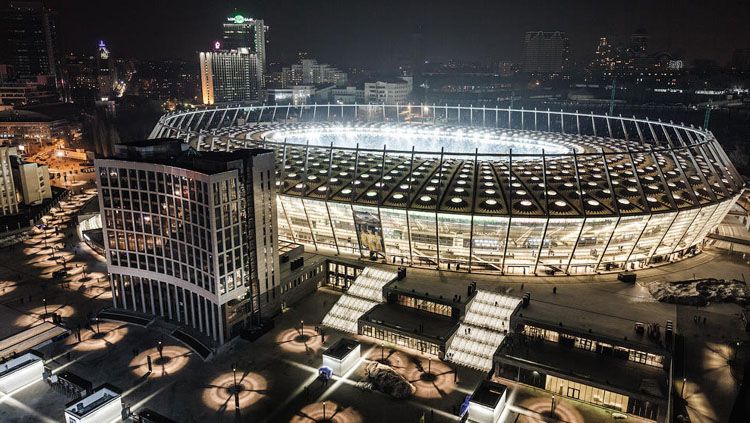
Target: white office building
389,91
191,236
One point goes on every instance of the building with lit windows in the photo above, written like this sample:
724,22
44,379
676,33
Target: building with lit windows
600,359
191,236
239,32
477,189
229,76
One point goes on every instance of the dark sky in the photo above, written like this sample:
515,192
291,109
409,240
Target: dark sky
372,33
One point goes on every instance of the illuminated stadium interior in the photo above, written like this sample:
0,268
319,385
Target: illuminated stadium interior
479,189
426,139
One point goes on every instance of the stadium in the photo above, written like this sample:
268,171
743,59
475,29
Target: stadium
490,190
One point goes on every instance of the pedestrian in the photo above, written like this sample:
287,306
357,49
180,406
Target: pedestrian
554,290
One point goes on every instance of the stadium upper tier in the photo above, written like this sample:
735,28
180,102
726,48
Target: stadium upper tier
480,189
473,160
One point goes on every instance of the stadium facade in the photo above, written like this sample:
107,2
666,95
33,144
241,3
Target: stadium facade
509,191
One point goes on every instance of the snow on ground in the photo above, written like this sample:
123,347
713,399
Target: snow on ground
700,292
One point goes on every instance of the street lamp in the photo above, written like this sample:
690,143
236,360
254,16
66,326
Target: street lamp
324,411
301,327
236,391
96,320
382,353
44,300
160,348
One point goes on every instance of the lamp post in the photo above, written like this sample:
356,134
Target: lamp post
44,300
301,327
236,391
96,320
682,390
324,411
382,353
429,365
160,348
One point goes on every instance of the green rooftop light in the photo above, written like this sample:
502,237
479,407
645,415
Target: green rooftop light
239,19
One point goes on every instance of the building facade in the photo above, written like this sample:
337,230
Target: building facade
240,32
8,200
393,91
229,76
191,237
31,181
27,39
545,53
310,72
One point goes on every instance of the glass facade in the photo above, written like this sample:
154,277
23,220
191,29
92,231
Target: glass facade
515,245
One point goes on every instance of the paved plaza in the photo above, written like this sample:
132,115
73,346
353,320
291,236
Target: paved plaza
277,375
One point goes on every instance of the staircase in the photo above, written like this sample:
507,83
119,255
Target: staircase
364,293
482,330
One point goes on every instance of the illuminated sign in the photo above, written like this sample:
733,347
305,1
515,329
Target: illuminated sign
217,45
238,19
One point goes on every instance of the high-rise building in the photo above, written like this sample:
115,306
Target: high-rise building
545,53
27,39
389,91
31,181
105,72
229,76
8,200
191,236
240,32
310,72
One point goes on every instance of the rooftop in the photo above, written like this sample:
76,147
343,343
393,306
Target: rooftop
408,320
173,152
341,348
626,376
608,326
488,393
102,395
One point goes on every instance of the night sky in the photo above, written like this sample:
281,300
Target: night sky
373,33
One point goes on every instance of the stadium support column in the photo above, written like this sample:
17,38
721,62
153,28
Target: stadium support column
546,212
549,120
408,202
437,205
315,111
578,123
273,116
234,118
473,207
624,128
352,197
262,109
288,108
523,126
609,125
328,197
536,126
593,123
304,192
510,207
640,133
380,203
562,122
581,205
397,117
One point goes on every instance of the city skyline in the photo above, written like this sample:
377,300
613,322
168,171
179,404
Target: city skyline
484,31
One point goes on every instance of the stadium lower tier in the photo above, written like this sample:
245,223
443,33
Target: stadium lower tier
497,244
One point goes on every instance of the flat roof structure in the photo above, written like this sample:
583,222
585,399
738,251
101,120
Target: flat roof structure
341,348
102,406
489,393
409,321
30,338
610,327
